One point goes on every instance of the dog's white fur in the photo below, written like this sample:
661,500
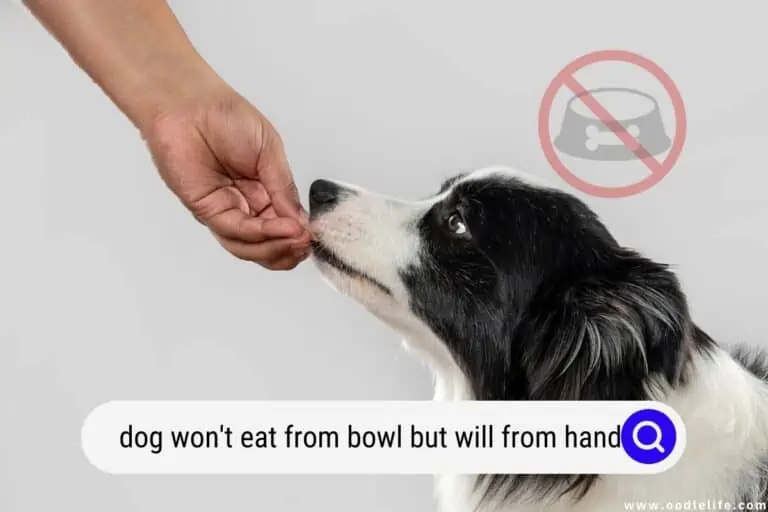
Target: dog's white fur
723,406
726,421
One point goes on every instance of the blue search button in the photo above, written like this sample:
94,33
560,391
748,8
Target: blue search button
648,436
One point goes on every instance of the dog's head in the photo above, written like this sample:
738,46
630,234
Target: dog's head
509,289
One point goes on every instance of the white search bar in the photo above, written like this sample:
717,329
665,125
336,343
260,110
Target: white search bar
236,437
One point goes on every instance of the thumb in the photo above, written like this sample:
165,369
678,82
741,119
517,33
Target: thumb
276,176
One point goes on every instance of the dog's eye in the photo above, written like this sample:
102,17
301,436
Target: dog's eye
456,225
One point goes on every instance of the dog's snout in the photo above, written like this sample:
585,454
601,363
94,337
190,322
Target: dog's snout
323,194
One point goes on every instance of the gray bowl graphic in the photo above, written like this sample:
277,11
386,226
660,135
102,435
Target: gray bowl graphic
583,135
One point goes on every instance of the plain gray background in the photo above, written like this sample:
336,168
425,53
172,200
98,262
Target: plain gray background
110,290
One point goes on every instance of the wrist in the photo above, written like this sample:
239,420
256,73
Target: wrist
166,86
135,50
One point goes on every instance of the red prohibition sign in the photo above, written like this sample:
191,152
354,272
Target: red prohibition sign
658,169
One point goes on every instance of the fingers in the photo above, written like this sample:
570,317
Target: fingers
268,213
226,212
287,262
286,204
260,201
276,243
281,254
276,176
255,193
238,226
234,176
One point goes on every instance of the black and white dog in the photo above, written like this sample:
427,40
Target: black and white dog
509,289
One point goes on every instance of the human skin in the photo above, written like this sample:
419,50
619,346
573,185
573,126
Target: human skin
214,150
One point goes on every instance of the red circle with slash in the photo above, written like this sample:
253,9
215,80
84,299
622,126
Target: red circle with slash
658,169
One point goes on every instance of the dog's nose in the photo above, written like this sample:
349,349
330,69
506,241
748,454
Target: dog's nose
323,194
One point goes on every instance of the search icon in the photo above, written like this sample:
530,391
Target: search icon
653,445
648,436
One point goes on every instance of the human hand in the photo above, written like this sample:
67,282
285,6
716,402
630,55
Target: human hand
226,163
215,151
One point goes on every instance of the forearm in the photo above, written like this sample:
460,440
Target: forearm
135,50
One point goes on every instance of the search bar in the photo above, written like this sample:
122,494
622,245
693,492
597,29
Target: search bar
375,437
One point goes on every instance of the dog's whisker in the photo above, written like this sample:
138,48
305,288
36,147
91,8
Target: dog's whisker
509,289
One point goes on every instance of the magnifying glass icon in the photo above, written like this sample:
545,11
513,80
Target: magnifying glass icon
657,436
648,436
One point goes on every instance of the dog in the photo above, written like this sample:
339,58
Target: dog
510,289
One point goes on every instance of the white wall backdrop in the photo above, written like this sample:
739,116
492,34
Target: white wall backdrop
109,290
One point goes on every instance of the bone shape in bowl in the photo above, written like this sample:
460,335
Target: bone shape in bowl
584,135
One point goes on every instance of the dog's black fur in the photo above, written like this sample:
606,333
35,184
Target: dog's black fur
536,300
540,302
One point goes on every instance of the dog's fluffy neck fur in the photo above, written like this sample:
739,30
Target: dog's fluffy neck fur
721,396
723,407
509,289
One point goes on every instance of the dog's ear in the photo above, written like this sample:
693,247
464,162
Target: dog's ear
601,338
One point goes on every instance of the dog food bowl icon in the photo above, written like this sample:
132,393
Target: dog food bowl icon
584,135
